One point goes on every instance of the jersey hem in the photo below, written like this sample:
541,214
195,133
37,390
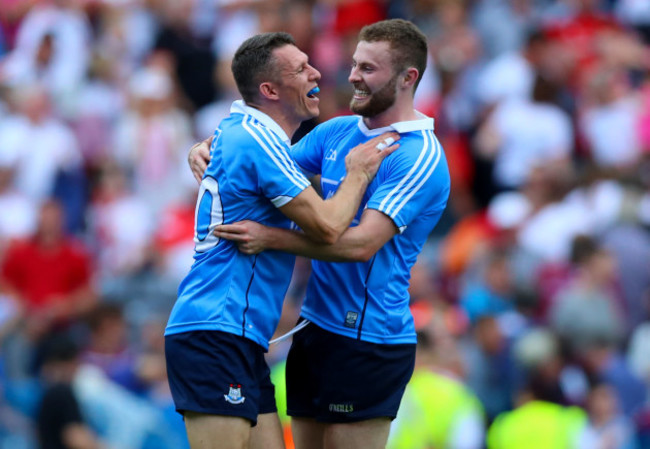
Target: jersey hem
354,333
221,327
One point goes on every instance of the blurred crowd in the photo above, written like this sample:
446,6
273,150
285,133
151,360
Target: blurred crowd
532,295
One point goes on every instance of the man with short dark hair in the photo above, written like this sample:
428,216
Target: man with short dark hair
229,304
347,369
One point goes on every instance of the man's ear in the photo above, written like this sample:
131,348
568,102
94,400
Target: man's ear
410,77
269,90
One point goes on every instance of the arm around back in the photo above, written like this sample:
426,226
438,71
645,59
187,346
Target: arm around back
357,244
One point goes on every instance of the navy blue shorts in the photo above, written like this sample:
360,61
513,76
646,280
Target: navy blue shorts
337,379
218,373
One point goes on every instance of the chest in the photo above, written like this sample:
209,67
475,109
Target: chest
333,166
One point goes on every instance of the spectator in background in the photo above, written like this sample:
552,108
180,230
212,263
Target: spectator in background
45,151
21,221
190,53
553,223
64,290
456,50
151,138
609,119
126,35
604,363
133,367
52,48
540,419
638,356
108,346
488,17
490,370
95,111
607,428
490,292
120,227
523,133
592,290
511,75
536,424
61,423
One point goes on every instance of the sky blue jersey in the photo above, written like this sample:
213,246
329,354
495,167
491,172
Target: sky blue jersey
369,301
250,175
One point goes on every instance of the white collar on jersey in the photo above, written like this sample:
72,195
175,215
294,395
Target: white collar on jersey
239,107
423,123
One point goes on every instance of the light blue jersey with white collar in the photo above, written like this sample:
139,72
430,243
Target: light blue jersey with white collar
370,301
250,175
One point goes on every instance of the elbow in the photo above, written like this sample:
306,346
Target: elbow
330,236
362,254
326,235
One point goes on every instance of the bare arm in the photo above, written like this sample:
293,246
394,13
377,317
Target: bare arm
357,244
199,158
324,220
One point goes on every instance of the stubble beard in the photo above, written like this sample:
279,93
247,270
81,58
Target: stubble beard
378,102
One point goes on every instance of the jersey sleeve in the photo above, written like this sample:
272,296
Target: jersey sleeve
412,181
308,152
278,177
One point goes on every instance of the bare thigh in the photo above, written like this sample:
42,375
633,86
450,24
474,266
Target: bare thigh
267,434
370,434
216,431
307,433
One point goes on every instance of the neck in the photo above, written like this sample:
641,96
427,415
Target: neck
396,113
288,125
49,240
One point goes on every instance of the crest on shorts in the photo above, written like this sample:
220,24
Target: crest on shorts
234,394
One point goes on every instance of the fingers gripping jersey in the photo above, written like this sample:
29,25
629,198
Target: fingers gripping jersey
369,301
250,175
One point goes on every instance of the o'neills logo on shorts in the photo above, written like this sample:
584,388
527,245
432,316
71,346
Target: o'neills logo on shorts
341,408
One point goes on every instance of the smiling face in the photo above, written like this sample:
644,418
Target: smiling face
296,80
374,79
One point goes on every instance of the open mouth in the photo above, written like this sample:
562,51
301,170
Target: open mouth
312,93
360,94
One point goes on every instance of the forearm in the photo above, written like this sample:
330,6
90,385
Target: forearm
339,210
325,221
350,247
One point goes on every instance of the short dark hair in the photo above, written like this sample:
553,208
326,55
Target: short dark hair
253,62
407,42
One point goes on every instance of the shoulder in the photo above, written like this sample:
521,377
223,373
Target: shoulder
243,131
344,120
420,148
18,247
343,123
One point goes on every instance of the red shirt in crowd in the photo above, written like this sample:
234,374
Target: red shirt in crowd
41,275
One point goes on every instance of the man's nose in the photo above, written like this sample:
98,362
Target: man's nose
354,75
315,74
